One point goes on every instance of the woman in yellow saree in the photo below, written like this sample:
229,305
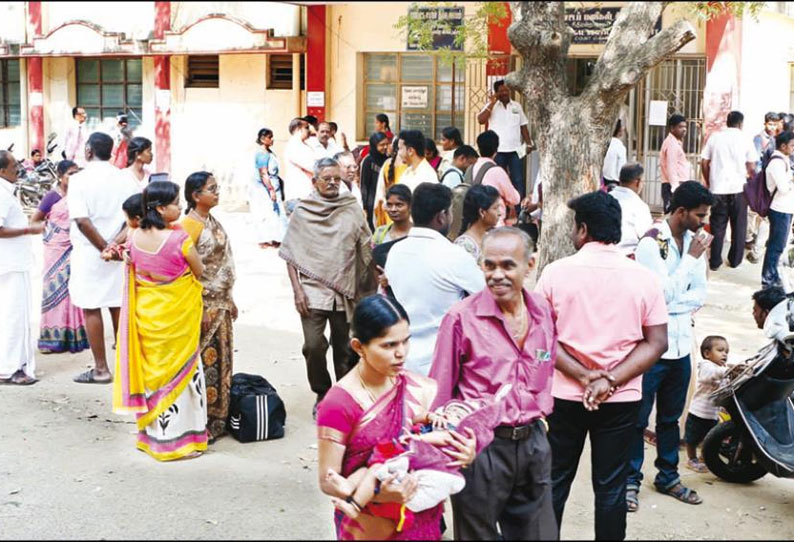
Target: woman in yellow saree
158,368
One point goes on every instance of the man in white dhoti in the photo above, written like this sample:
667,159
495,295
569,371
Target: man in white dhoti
17,362
95,197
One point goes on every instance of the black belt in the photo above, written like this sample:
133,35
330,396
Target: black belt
513,432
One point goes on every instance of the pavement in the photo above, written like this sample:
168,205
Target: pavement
69,468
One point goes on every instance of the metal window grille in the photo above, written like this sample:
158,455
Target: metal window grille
107,86
203,71
387,74
279,73
10,112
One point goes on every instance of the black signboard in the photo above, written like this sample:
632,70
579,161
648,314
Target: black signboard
447,21
592,25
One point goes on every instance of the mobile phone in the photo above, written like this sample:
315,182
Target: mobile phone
158,177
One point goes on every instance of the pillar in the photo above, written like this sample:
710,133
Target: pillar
499,48
35,84
162,92
723,69
315,61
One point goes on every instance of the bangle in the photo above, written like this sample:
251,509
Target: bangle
350,500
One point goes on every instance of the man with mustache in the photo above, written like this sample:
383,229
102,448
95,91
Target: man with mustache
503,335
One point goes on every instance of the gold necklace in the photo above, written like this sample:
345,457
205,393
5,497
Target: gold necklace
522,324
366,388
198,216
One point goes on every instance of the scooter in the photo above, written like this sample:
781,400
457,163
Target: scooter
756,436
33,185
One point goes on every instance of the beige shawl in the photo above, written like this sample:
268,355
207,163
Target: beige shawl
328,240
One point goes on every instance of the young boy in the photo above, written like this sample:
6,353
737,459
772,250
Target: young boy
703,415
133,211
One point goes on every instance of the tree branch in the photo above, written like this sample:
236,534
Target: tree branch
629,53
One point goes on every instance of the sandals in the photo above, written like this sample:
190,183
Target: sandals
632,500
19,378
89,377
683,494
697,465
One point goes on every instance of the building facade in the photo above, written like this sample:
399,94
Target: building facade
201,78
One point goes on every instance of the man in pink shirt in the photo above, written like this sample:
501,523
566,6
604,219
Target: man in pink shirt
503,335
488,144
611,322
672,159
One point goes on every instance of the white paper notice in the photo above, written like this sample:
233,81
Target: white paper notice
315,99
657,113
162,98
415,97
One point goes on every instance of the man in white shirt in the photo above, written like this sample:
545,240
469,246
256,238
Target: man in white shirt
428,274
299,164
324,146
76,137
636,217
96,195
506,117
411,148
17,361
779,182
727,160
348,168
615,158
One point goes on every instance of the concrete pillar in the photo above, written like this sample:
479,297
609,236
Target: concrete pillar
35,84
723,65
162,85
315,61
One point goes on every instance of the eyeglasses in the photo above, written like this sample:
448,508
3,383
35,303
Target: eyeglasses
213,190
328,180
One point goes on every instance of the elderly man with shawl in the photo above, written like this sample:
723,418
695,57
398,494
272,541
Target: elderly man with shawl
330,268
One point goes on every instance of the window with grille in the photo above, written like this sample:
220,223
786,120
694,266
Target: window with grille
10,113
202,72
417,92
109,85
279,73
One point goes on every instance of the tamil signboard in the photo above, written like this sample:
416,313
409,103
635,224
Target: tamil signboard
447,21
415,97
592,25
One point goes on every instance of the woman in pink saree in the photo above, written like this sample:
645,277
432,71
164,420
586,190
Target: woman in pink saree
62,324
375,402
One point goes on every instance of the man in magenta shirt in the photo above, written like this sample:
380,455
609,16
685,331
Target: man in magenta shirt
611,323
503,335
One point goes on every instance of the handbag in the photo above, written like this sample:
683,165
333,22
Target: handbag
256,412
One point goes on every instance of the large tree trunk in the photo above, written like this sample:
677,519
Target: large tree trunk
574,132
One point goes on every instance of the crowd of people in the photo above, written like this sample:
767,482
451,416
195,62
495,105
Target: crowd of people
452,379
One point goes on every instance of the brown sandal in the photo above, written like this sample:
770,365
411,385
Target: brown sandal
683,494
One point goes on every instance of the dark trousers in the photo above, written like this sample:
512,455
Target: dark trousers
512,164
666,384
667,197
779,226
315,347
508,484
611,428
733,208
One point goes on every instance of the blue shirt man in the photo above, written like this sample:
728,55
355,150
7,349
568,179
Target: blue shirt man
673,250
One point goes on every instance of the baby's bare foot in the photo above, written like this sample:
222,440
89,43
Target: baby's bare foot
348,509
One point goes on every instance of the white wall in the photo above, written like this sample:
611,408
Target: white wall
134,19
283,18
767,50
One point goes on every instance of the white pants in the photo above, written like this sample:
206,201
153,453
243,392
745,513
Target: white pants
16,335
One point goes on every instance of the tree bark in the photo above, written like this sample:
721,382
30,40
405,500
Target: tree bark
574,132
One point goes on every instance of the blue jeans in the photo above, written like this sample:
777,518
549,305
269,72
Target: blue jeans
779,226
512,164
666,383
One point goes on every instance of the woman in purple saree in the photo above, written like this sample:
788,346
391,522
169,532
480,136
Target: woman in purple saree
378,401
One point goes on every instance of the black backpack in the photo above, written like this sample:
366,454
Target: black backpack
256,412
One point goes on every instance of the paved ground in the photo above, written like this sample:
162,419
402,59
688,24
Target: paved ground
69,469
